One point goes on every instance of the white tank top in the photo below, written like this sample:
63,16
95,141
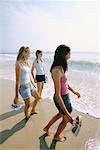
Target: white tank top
25,75
39,68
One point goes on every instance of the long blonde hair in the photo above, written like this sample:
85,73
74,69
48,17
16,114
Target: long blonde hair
20,53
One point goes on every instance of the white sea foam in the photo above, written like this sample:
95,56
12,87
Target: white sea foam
87,82
92,144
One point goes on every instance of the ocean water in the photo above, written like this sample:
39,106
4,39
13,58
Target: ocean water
83,75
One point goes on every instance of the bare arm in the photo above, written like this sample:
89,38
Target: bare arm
56,74
32,81
18,70
73,91
32,71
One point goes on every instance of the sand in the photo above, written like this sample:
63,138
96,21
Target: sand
16,134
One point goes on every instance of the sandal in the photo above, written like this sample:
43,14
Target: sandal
77,125
33,113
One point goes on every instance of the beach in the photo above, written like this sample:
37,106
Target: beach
16,134
44,25
83,75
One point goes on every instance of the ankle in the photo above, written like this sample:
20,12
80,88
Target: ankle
56,136
33,110
46,128
15,102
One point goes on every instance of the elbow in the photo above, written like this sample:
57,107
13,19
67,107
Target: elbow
32,74
32,71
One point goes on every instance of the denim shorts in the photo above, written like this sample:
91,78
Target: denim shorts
67,103
40,78
26,90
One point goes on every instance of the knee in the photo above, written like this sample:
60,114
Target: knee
27,105
37,96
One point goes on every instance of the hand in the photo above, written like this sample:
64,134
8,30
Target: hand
15,101
34,85
78,94
35,80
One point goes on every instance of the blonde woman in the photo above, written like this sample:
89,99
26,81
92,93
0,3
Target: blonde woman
24,82
40,73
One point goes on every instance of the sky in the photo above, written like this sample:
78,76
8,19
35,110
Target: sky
45,24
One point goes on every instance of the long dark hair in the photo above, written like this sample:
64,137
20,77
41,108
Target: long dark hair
59,60
38,52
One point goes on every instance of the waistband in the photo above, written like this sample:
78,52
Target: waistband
24,85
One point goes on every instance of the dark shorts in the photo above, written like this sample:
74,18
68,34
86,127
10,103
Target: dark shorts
40,78
67,103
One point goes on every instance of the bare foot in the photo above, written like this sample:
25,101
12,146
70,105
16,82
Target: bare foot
60,139
47,131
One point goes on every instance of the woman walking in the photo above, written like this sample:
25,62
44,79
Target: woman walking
24,81
61,93
39,78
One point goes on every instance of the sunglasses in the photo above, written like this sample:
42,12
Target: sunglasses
27,50
27,47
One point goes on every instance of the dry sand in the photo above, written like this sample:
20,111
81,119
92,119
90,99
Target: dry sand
15,134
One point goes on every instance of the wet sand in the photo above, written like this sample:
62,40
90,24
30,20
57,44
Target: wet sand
16,134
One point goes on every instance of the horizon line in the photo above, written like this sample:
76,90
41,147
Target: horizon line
53,52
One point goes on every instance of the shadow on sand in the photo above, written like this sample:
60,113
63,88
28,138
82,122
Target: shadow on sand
12,113
43,144
4,135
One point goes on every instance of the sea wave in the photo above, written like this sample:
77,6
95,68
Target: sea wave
85,65
7,57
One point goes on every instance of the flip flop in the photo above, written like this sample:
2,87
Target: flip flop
16,106
76,129
33,113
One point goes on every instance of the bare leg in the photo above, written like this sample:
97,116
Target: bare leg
40,87
37,97
27,104
52,121
61,127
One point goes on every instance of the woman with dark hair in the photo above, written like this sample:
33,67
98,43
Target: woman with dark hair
40,73
61,95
